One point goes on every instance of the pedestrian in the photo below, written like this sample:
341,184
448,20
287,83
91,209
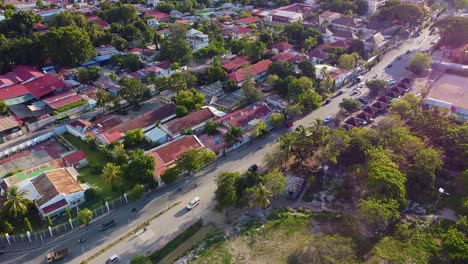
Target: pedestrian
226,212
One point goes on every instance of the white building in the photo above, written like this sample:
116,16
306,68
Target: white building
373,5
55,190
197,40
280,17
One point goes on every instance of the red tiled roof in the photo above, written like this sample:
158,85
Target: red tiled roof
9,78
26,72
157,14
65,101
40,27
235,63
75,157
44,85
281,46
284,56
243,116
241,74
177,125
58,97
54,206
341,43
248,20
13,91
142,121
167,154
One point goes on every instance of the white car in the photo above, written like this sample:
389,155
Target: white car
194,202
391,81
112,259
327,119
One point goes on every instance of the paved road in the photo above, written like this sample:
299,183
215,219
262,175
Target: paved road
164,227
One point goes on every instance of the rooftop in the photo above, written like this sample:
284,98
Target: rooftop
13,91
235,63
242,74
7,123
242,117
248,20
177,125
282,46
51,183
452,89
44,85
75,157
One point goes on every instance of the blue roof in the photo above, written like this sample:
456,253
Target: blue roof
103,58
155,134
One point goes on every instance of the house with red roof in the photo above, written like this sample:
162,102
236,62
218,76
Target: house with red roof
15,94
167,154
76,159
245,119
285,56
145,121
281,47
236,32
158,15
235,63
194,121
248,20
257,71
19,74
62,99
44,85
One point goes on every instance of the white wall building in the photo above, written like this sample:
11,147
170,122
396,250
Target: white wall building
197,40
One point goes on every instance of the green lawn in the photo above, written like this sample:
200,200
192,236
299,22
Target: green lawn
104,191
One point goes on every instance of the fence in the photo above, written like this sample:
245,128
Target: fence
61,228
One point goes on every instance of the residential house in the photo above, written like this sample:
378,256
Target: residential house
235,32
256,71
339,34
281,47
156,135
60,100
15,94
246,21
329,16
346,23
197,40
158,15
8,126
19,74
340,76
235,63
375,42
145,121
76,159
44,85
280,17
245,119
317,56
194,121
53,191
167,154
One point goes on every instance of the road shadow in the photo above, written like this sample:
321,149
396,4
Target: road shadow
181,212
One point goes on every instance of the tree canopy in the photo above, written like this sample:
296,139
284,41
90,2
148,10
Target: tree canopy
420,62
133,91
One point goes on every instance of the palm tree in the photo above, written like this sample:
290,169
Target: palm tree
16,202
232,135
112,174
286,144
261,194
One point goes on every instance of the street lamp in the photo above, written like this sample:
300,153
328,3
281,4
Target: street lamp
441,191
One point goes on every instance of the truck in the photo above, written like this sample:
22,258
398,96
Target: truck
56,255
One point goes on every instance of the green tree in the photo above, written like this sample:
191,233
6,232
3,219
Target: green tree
259,129
378,213
181,111
3,107
452,30
191,99
275,181
175,47
67,211
103,98
132,62
307,69
119,155
277,120
48,221
211,128
131,33
216,72
281,68
136,192
7,227
226,191
133,91
420,62
346,61
16,202
140,259
27,225
85,216
309,43
233,135
193,159
134,137
69,46
171,175
19,23
376,87
67,18
308,101
421,174
254,49
261,195
83,75
123,14
329,249
350,105
119,43
250,93
112,174
140,169
455,244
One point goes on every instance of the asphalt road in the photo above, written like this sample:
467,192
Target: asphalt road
163,228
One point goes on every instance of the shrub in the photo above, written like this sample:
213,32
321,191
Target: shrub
28,225
48,220
136,192
90,194
171,175
70,106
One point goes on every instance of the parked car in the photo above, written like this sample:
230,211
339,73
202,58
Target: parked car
375,76
327,102
363,100
106,225
391,81
340,92
112,259
252,168
194,202
327,119
354,93
57,255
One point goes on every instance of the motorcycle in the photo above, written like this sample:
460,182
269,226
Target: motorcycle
82,240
